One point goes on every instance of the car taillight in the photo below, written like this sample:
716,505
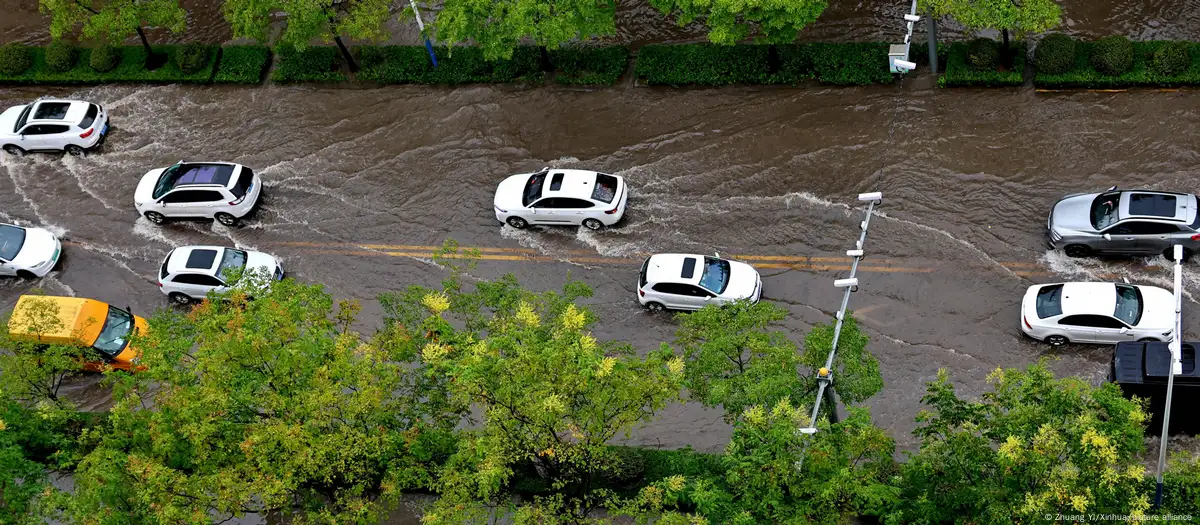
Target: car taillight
1196,237
87,133
1026,319
612,211
160,284
237,201
641,292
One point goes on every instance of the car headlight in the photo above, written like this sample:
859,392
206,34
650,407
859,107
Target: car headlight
1168,334
41,264
500,210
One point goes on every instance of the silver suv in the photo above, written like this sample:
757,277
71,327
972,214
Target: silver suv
1132,222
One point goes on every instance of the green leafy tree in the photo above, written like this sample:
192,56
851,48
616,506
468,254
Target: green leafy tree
1034,445
114,20
271,405
497,26
736,360
551,396
309,20
1017,16
731,21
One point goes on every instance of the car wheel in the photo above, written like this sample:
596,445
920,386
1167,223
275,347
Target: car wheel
180,299
592,224
1057,340
13,150
226,219
1169,253
24,274
518,223
655,307
74,150
1077,250
155,217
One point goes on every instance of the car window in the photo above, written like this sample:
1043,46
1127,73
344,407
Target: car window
245,180
181,196
114,335
197,279
642,275
23,118
32,129
50,129
696,291
1075,320
573,204
1091,321
1104,321
162,272
89,117
1104,210
533,188
606,188
546,203
1143,228
670,288
1129,304
1049,301
556,181
1152,204
208,196
716,274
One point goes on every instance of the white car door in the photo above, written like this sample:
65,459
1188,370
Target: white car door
574,211
32,137
1112,330
546,211
1077,329
670,295
194,284
6,268
56,136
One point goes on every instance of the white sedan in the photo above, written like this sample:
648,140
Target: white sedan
691,282
191,272
27,252
563,197
48,124
1103,313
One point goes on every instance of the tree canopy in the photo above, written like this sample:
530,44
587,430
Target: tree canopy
112,20
1018,16
497,26
732,21
309,20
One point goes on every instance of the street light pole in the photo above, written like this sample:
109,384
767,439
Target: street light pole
1176,347
849,285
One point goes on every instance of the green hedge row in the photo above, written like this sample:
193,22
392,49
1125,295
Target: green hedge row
459,65
713,65
1084,75
242,64
131,68
589,65
960,74
313,64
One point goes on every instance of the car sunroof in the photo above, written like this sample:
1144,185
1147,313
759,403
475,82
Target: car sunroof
201,259
1152,205
689,268
51,111
206,174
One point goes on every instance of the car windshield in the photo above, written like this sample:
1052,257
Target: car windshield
23,118
11,240
1049,301
166,181
1129,304
533,189
232,265
716,275
114,336
1104,210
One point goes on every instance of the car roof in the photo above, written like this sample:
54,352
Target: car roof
57,111
195,259
207,174
1157,205
670,268
577,184
1089,299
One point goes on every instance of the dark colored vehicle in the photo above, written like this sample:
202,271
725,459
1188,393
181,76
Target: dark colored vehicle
1141,368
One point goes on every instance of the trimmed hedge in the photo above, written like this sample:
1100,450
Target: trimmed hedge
104,58
1055,54
313,64
61,56
1171,59
959,72
589,64
460,65
131,68
1112,55
15,58
1142,73
242,64
708,64
983,54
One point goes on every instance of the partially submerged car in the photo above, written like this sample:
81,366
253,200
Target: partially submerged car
1105,313
561,197
51,124
223,191
691,282
1124,222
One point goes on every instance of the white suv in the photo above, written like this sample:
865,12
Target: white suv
191,272
27,252
223,191
574,197
691,282
48,124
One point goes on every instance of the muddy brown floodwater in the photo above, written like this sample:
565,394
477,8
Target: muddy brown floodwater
361,183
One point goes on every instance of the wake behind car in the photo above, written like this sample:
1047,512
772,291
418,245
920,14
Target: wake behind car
27,252
691,282
51,124
1125,222
1105,313
223,191
564,197
189,273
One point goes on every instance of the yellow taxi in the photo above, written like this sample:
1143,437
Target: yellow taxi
85,322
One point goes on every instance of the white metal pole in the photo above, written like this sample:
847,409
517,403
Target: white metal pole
1176,347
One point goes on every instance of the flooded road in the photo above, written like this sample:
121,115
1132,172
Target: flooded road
361,184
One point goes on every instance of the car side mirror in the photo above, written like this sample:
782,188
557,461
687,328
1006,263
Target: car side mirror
128,311
1107,237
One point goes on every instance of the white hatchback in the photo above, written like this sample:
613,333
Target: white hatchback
50,124
189,273
563,197
223,191
27,252
1104,313
691,282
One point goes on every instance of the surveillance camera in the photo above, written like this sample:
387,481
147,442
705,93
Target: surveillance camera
912,18
846,283
906,65
874,196
808,430
854,253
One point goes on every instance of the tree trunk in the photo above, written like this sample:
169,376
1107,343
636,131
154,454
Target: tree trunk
547,64
773,58
933,54
1006,53
346,54
152,62
1005,32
